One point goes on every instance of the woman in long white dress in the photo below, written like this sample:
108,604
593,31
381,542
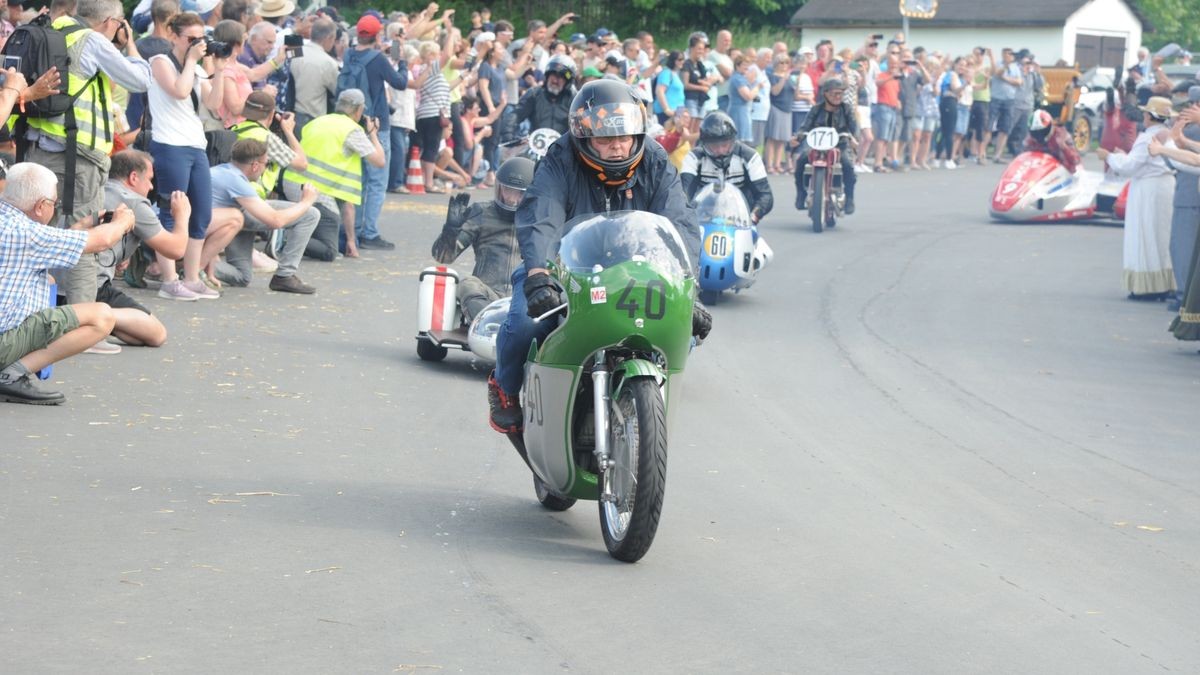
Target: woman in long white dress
1148,274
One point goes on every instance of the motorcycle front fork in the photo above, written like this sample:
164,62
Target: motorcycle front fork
600,399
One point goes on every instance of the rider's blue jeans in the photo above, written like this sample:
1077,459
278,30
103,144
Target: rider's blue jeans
516,334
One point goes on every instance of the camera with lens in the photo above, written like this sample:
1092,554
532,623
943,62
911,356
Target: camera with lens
216,48
220,50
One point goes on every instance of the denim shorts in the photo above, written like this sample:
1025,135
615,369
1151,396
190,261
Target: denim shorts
926,124
883,122
1001,114
963,122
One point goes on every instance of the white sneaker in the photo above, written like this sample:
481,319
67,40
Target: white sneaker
949,164
175,290
866,169
261,262
201,290
103,347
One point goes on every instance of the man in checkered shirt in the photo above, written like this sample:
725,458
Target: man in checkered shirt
32,335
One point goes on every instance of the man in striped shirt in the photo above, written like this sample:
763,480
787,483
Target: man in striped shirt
33,336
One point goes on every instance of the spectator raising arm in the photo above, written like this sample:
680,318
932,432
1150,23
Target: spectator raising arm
424,21
287,123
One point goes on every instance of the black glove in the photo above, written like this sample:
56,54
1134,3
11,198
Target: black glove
456,214
542,294
701,321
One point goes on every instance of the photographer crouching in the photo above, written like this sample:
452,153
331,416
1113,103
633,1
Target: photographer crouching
130,182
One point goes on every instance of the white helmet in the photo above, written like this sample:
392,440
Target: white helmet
1040,119
1040,124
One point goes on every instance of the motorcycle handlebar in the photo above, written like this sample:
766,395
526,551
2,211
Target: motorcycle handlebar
551,313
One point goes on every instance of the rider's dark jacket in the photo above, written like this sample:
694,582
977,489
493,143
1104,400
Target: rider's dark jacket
563,188
841,118
544,110
493,238
745,170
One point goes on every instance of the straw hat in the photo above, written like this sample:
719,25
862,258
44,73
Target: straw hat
1160,107
274,8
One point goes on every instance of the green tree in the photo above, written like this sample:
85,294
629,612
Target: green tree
1171,21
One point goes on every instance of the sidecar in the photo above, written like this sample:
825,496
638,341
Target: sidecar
440,322
731,254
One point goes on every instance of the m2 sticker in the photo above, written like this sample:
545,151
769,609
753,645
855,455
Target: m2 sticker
599,295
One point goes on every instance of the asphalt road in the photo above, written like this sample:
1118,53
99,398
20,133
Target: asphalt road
924,443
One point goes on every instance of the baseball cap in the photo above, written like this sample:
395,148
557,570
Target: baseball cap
368,26
257,105
577,40
591,71
486,36
1194,94
807,50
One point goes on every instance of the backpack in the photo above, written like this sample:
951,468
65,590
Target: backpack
354,75
34,48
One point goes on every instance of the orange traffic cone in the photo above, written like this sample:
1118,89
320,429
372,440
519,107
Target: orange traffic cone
415,180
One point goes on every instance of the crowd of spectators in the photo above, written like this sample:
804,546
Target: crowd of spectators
217,138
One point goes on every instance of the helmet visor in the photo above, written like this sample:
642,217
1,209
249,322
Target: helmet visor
609,119
719,147
508,197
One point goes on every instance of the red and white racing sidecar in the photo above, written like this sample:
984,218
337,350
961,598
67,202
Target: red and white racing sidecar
1036,187
441,325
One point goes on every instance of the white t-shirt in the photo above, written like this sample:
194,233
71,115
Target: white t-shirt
405,103
804,85
175,121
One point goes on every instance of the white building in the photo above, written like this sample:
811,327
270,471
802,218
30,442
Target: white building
1086,32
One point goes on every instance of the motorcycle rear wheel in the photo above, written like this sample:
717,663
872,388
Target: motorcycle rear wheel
548,499
637,475
819,199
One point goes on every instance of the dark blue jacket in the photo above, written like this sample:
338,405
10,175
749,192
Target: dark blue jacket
379,70
562,190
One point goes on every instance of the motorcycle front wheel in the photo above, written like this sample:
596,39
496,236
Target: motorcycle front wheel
633,485
819,199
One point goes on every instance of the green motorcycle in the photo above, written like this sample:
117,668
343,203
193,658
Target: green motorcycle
597,389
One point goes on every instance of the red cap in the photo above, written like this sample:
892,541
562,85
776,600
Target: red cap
369,26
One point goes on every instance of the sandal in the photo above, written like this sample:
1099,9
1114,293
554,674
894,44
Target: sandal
435,191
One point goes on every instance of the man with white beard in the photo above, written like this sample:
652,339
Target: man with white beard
548,106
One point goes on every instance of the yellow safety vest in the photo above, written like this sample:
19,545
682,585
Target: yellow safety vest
270,177
330,170
93,117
